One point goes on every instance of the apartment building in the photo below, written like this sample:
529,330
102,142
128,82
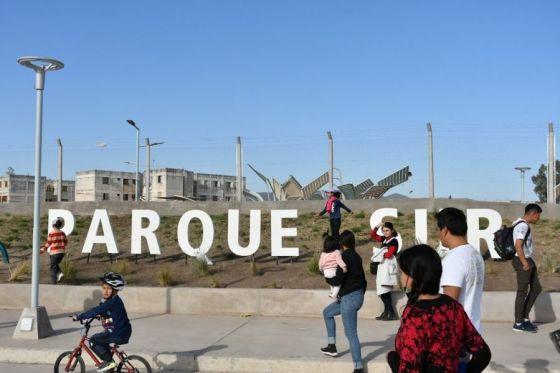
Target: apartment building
101,185
19,188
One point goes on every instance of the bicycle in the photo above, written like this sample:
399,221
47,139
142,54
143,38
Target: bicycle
72,361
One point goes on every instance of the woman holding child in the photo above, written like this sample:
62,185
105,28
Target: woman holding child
353,285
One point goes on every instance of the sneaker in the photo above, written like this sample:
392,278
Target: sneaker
534,326
390,316
358,370
107,365
59,276
382,316
330,350
523,327
555,336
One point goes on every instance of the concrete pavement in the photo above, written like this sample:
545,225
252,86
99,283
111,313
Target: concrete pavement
244,343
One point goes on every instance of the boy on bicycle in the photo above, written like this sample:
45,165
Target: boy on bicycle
113,318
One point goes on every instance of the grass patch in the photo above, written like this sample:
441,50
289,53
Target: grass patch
200,266
313,264
21,271
165,277
69,270
120,266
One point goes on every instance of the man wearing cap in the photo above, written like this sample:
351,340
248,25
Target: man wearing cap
332,207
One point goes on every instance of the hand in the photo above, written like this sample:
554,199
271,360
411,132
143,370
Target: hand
74,317
526,266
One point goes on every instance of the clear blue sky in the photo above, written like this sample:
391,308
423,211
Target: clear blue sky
197,74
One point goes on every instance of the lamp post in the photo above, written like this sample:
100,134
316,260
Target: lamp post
34,322
331,156
131,122
148,165
59,185
522,171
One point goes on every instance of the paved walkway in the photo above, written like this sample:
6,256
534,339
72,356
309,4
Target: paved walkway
187,343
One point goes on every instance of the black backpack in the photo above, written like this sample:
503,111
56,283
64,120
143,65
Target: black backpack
504,243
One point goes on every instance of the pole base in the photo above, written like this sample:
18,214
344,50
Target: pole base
34,323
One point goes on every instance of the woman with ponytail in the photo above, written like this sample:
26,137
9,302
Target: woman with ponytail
434,327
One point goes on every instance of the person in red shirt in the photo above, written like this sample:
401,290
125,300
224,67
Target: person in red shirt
55,246
390,244
434,327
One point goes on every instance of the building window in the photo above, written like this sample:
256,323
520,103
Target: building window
125,197
105,180
65,188
133,197
105,196
227,198
215,184
159,179
118,195
203,198
214,198
118,179
133,181
125,181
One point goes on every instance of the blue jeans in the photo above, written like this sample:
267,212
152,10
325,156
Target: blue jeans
348,309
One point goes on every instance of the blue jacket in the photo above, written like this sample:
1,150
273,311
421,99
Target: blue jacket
335,212
113,310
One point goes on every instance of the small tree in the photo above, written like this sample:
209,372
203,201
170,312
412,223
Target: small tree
540,181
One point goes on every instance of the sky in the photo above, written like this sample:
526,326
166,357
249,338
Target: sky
280,74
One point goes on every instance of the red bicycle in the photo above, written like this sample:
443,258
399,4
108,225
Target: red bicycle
72,361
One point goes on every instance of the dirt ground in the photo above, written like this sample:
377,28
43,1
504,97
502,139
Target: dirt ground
174,268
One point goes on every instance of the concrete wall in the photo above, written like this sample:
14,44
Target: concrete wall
497,306
508,210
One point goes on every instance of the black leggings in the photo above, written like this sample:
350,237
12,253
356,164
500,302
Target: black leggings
55,266
335,227
387,302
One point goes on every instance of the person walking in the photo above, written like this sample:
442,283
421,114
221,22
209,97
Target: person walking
351,298
528,284
434,327
387,268
55,246
332,207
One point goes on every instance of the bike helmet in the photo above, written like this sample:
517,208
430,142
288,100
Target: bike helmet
113,279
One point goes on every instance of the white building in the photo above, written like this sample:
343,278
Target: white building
100,185
21,188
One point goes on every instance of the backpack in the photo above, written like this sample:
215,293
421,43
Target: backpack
503,241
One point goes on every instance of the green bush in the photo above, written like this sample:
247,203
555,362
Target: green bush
120,266
360,215
165,277
69,270
201,267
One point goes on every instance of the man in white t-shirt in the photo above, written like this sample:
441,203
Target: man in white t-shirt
463,267
528,284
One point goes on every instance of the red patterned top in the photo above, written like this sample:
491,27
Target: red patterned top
432,334
56,242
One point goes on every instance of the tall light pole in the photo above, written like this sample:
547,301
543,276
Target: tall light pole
34,322
131,122
240,187
148,165
59,186
551,169
430,161
522,171
331,159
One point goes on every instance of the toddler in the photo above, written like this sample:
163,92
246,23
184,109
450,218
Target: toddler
331,259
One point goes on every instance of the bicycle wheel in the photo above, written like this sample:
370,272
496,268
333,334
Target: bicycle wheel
134,364
67,362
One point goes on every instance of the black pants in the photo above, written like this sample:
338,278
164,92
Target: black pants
100,344
335,227
528,288
387,303
55,266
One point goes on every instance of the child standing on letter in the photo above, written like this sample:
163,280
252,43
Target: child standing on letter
331,259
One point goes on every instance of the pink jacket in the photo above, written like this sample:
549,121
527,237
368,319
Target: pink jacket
331,260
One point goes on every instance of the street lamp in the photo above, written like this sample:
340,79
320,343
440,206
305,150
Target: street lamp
131,122
331,176
522,171
34,322
148,164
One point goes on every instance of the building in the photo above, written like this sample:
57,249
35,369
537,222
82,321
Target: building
174,183
100,185
21,188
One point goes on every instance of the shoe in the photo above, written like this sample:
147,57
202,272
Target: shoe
360,370
382,316
523,327
555,337
59,276
107,365
390,316
534,326
330,350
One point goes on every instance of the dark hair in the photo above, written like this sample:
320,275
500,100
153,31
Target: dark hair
533,207
347,240
336,194
58,223
389,225
453,219
330,244
423,265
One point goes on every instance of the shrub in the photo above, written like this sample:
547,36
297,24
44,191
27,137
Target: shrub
69,269
201,267
120,266
357,228
313,264
165,277
549,265
360,215
253,268
214,282
22,269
